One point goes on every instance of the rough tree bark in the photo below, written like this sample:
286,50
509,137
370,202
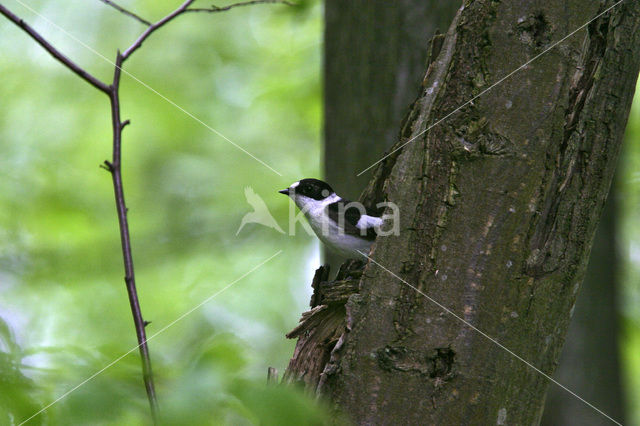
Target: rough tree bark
590,358
499,205
375,53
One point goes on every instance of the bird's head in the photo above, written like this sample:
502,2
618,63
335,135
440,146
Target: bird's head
307,190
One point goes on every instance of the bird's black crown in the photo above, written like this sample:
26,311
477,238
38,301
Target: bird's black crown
313,188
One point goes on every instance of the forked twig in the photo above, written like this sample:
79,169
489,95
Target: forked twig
184,8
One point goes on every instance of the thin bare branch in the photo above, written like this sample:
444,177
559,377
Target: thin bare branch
136,44
184,7
82,73
121,208
127,12
214,8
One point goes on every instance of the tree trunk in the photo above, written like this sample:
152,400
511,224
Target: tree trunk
590,360
499,203
375,53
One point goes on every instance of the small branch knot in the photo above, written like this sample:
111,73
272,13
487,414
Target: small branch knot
107,165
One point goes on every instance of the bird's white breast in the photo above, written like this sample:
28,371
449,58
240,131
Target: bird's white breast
328,231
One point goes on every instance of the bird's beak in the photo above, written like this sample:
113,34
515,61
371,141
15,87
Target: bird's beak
284,191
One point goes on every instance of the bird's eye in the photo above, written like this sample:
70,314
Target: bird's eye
325,193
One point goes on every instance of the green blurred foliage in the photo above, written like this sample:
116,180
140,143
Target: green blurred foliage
628,186
251,74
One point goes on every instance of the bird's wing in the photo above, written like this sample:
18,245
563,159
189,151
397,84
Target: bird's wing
367,221
355,223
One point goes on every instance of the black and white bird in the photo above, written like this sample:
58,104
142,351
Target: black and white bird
347,228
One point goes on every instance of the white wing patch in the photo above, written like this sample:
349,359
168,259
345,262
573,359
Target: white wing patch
332,198
367,221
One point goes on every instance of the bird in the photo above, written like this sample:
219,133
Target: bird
346,228
260,213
